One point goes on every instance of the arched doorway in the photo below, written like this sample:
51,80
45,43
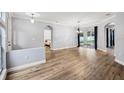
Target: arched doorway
110,37
48,41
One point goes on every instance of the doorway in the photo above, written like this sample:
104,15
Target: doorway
87,38
110,37
48,41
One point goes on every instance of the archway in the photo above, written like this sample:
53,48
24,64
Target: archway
48,38
110,37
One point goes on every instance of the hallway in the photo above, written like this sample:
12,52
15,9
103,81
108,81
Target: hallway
73,64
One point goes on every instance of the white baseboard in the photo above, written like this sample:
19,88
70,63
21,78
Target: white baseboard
102,50
63,48
3,74
25,66
120,62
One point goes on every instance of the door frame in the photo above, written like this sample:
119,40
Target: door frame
95,37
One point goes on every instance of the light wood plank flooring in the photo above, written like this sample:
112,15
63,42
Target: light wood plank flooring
73,64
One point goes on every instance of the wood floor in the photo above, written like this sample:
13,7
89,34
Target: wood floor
73,64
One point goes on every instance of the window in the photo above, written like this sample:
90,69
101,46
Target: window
82,34
2,40
3,16
88,33
92,33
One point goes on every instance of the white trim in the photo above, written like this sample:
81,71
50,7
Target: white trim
109,18
120,62
3,74
43,21
63,48
25,66
102,50
28,49
51,22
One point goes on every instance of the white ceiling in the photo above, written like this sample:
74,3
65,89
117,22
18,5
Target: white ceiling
69,18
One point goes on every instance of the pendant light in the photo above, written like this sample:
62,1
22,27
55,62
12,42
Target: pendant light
32,16
32,19
78,29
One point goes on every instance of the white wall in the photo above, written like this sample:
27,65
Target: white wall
17,58
28,35
86,29
101,33
119,38
64,37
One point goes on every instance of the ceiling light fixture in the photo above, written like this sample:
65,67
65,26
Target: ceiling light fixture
32,19
78,29
32,16
108,14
